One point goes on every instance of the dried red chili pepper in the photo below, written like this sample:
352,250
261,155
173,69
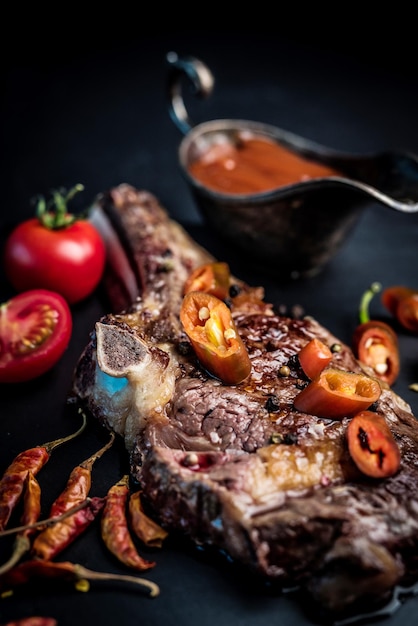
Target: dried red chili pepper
314,357
211,278
58,536
31,513
55,538
31,505
34,569
214,337
145,528
375,343
35,620
44,523
372,446
115,530
336,394
13,480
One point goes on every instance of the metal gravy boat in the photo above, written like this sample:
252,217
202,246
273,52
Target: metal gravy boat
295,229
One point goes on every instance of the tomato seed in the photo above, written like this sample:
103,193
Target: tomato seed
44,328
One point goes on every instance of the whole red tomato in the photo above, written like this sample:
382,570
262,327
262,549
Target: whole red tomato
35,329
55,251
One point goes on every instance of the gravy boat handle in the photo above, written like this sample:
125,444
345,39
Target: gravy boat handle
389,178
201,79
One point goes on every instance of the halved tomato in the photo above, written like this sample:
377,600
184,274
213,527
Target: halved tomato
35,330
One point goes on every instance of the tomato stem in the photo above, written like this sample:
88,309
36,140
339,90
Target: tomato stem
54,214
365,301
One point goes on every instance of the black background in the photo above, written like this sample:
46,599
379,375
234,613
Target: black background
86,102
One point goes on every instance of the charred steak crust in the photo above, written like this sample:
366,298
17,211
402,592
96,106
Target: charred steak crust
237,467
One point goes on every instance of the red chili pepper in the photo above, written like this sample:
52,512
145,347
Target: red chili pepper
402,303
391,296
336,394
145,528
115,530
407,313
211,278
214,337
55,538
13,480
375,343
31,504
28,571
314,357
31,513
35,620
372,445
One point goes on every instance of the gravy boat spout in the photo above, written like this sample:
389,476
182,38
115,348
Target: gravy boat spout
300,224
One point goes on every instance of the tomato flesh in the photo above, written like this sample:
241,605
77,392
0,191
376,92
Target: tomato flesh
35,330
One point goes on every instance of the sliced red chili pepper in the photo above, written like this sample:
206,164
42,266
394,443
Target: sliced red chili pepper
55,538
336,394
214,337
407,312
211,278
314,357
391,296
372,445
27,571
115,530
402,303
145,528
13,480
375,343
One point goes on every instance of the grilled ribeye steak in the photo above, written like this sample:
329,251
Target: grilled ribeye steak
238,467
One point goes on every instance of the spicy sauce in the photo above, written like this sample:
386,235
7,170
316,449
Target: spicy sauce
253,165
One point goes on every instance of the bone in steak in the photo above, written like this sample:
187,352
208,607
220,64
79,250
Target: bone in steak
237,467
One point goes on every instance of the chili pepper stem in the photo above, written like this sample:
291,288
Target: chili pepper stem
50,521
365,301
82,572
88,463
65,570
21,547
51,445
